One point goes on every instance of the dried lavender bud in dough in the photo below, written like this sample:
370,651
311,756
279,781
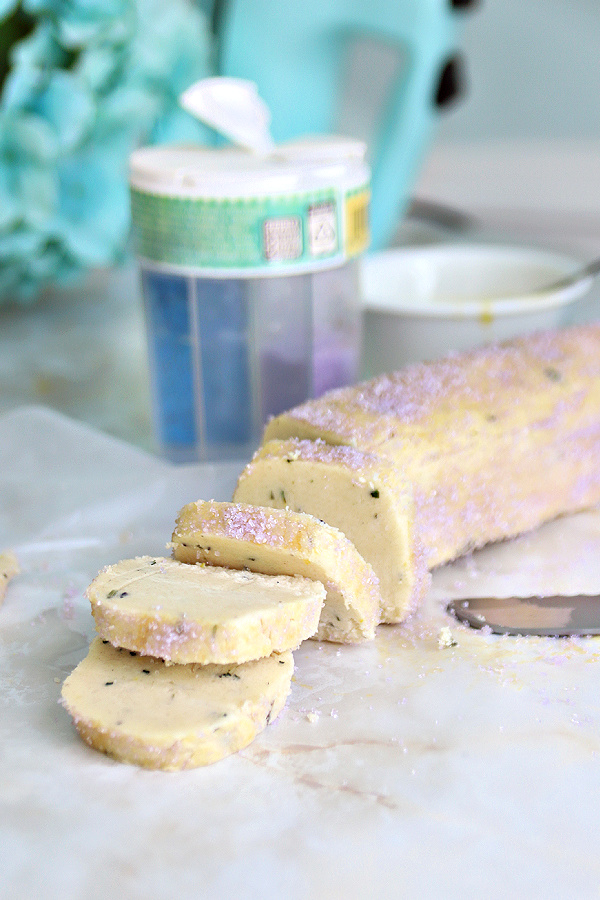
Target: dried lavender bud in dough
140,710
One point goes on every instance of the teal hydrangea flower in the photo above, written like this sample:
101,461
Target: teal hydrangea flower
82,83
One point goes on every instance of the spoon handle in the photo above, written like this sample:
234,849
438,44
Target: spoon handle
592,268
588,271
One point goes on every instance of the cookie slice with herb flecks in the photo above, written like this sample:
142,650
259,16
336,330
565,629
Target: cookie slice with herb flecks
202,614
140,710
279,541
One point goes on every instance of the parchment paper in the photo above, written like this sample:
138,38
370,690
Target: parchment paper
402,767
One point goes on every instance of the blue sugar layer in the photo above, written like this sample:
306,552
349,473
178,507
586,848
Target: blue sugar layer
200,397
171,353
222,320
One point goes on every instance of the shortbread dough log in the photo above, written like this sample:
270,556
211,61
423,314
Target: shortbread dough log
357,492
141,710
9,567
201,614
281,542
493,442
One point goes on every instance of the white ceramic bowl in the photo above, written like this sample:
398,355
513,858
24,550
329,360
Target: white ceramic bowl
421,303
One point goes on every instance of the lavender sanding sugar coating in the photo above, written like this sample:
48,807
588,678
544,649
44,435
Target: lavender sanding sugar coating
319,450
276,541
259,525
496,440
486,389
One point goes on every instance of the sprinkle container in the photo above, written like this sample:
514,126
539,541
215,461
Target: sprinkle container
250,280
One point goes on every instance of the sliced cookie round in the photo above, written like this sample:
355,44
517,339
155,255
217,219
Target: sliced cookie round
140,710
202,614
273,541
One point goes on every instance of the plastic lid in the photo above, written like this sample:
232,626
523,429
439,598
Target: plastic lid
233,107
300,166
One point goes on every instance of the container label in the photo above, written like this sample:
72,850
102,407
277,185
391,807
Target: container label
257,233
357,222
322,229
282,238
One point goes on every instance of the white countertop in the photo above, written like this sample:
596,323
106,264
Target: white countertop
399,768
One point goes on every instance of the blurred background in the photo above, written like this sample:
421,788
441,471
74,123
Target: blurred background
533,73
516,156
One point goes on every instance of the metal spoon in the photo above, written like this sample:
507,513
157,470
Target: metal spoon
452,219
582,274
557,616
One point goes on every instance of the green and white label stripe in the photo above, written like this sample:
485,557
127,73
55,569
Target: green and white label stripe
275,232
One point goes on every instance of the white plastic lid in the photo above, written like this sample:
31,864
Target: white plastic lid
233,107
300,166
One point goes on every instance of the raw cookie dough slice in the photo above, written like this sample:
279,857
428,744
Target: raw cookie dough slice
278,541
202,614
141,710
359,493
9,567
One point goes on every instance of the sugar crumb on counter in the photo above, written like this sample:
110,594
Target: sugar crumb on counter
446,639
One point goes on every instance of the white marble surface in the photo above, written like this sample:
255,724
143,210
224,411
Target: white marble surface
398,768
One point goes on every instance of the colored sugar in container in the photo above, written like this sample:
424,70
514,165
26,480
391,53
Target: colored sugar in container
249,268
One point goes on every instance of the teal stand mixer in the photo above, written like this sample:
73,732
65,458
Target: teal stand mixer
297,54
